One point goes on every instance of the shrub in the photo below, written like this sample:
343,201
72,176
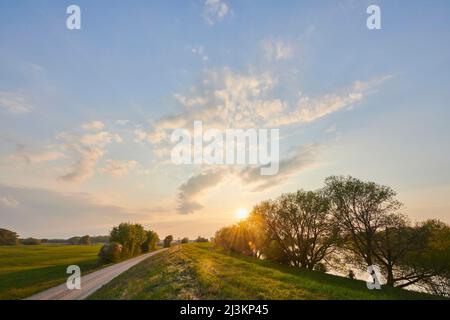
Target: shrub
111,252
167,241
31,242
201,239
185,240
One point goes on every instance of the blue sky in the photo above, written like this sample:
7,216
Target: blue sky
82,111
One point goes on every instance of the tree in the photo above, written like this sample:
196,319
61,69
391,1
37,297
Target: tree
301,227
31,242
8,238
185,240
167,241
361,209
201,239
74,240
150,242
130,236
85,240
427,264
241,237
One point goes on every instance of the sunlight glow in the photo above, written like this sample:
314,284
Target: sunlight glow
242,213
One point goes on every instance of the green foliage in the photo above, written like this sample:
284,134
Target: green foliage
73,240
201,239
111,252
167,241
8,238
85,240
31,242
150,242
185,240
131,237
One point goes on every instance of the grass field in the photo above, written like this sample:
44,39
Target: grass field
197,271
25,270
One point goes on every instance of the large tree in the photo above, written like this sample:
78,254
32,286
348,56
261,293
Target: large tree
301,226
8,238
362,209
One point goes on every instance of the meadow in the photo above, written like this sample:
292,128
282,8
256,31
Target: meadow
25,270
199,271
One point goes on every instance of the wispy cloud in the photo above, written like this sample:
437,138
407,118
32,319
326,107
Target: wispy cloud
9,201
232,100
195,187
299,159
215,11
302,158
93,125
117,168
275,50
88,149
15,103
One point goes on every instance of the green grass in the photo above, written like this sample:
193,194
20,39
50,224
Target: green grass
197,271
25,270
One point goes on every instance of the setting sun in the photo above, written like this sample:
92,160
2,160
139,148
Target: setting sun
242,213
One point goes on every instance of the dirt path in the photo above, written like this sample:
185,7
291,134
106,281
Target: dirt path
91,282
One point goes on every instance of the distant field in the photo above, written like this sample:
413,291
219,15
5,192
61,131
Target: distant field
25,270
197,271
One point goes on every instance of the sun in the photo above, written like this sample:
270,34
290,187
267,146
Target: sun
242,213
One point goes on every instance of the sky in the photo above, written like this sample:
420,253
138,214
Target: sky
86,115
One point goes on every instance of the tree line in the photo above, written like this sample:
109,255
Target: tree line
11,238
347,222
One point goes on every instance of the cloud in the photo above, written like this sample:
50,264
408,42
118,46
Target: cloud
93,126
122,122
227,99
302,158
29,157
9,201
47,213
117,168
199,51
214,11
276,50
88,149
190,192
14,103
195,187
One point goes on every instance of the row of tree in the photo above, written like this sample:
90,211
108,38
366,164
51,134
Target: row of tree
11,238
348,222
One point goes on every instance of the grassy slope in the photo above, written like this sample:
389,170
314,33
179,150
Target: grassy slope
196,271
25,270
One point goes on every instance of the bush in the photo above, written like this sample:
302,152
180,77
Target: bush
201,239
111,252
167,241
31,242
185,240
